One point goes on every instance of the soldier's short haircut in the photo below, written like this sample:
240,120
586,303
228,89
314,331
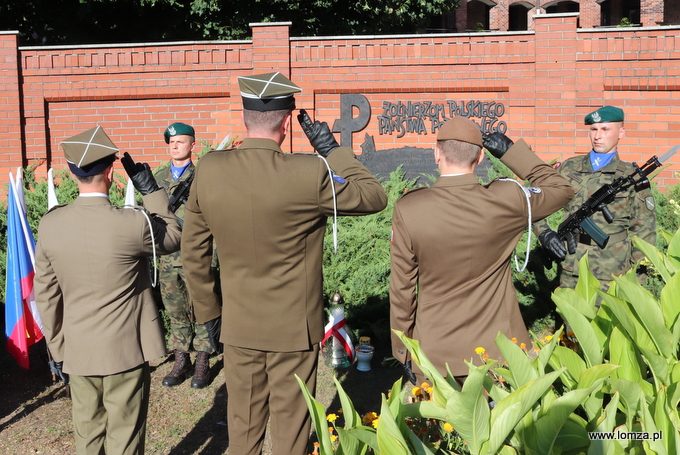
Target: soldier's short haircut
267,121
459,153
89,178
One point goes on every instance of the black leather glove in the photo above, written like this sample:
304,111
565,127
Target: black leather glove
572,243
140,174
214,328
553,245
497,143
410,375
318,133
57,372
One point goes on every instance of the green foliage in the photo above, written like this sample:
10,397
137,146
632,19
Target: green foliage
120,21
667,210
625,22
640,333
361,268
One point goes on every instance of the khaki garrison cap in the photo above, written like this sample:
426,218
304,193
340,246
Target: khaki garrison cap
267,92
460,129
90,152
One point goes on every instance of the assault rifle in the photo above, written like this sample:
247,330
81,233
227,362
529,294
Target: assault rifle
181,193
580,222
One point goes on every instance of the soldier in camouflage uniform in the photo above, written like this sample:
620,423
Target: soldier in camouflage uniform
633,212
184,332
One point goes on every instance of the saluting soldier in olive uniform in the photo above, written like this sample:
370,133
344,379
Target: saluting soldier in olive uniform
633,211
451,283
184,331
94,293
266,210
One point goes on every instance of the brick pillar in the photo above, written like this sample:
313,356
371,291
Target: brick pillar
499,16
590,14
556,83
271,47
11,133
652,12
461,17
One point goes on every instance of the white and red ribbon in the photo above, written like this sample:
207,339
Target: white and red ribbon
336,328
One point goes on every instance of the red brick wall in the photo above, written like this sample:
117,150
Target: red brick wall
546,80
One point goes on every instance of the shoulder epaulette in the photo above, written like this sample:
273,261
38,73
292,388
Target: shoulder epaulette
56,207
220,150
500,178
413,190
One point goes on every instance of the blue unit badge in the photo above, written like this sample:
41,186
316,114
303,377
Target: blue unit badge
337,178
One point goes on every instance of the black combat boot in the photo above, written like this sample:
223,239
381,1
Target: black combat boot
201,371
180,371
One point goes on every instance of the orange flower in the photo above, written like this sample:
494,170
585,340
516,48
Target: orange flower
369,417
485,357
514,340
523,345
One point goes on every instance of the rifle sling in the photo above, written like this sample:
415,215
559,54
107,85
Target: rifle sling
175,195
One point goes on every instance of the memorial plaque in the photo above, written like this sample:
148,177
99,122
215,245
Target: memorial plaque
417,163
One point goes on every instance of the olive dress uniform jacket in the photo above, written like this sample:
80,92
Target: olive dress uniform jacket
93,287
633,213
267,212
451,283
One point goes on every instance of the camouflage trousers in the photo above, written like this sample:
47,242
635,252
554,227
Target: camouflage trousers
184,331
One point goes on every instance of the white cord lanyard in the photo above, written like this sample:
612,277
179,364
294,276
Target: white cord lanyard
153,241
335,206
527,195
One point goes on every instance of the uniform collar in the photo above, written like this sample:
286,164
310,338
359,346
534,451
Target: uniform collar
92,199
260,143
456,180
586,167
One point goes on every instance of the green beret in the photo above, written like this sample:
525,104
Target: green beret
177,129
604,115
